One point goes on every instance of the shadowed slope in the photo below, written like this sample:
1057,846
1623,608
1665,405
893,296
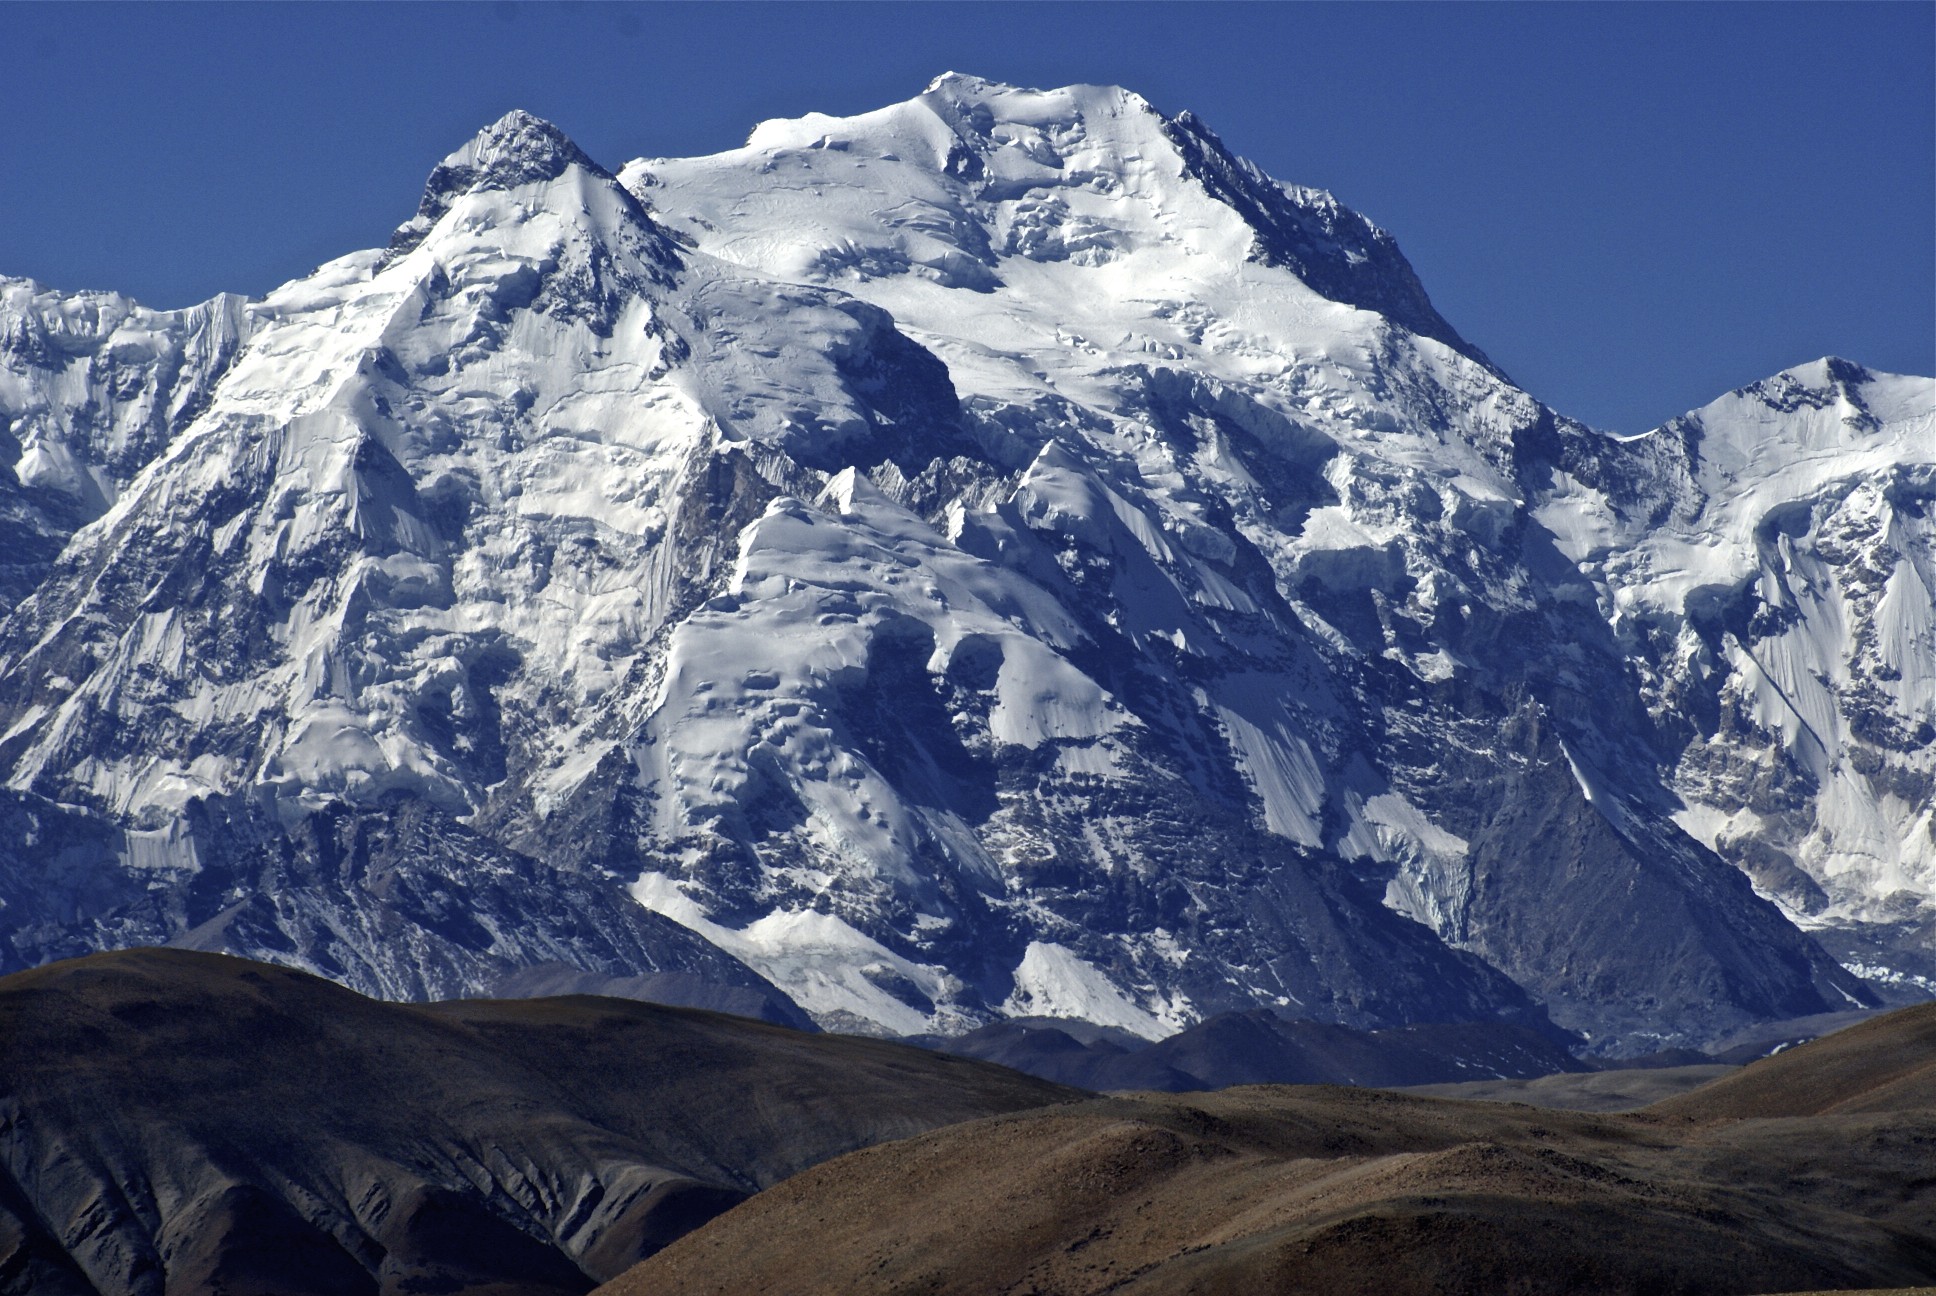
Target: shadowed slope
1262,1047
184,1122
1309,1190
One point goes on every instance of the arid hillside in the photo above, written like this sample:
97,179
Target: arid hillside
1811,1169
174,1122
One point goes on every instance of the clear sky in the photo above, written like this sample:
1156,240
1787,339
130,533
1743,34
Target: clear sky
1633,207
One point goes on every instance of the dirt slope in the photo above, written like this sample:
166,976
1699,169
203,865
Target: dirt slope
1885,1064
1812,1169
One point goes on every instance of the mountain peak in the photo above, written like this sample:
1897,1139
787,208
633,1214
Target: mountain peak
518,148
1034,152
1830,383
963,83
1332,248
997,101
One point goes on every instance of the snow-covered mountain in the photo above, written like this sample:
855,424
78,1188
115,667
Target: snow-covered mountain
1768,562
93,386
998,555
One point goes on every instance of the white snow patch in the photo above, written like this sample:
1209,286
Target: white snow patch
818,959
1052,981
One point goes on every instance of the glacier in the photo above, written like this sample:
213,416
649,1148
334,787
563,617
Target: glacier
1002,554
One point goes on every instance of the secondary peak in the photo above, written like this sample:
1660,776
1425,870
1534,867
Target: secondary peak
518,148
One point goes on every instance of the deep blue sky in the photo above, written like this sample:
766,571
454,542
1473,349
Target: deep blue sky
1633,208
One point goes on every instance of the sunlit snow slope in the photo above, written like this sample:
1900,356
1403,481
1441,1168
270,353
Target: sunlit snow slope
1001,554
